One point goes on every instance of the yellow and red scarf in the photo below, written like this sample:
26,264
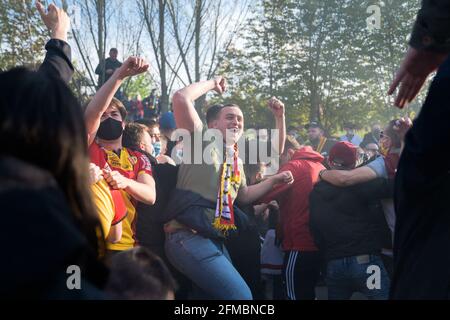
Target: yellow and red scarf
230,174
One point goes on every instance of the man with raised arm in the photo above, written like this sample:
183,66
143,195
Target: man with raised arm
123,169
201,210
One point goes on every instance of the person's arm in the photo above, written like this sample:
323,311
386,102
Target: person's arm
142,189
249,194
115,233
429,47
278,110
186,116
57,60
105,94
345,178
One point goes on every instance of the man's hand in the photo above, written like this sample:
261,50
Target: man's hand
109,71
220,85
95,173
402,126
131,67
277,107
56,20
413,72
115,179
283,177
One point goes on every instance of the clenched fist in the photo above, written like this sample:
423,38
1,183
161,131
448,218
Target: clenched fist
95,173
284,177
276,106
55,19
115,179
220,84
132,66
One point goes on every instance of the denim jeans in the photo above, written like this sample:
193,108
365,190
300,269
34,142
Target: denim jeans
356,274
207,264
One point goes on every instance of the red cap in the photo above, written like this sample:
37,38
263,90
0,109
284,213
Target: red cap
343,155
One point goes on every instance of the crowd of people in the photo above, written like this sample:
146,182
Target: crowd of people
120,192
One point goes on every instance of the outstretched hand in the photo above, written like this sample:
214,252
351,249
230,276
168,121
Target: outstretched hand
413,72
132,66
55,19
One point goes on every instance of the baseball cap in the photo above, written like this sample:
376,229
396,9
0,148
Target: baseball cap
313,124
343,155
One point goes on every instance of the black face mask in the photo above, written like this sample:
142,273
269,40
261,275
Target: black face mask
110,129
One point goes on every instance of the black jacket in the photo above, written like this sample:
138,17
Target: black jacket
347,221
101,72
57,60
422,190
432,27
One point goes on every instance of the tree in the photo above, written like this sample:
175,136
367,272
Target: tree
321,59
22,34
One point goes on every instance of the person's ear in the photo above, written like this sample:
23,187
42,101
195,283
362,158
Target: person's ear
214,124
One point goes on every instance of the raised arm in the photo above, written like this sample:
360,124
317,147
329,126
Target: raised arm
183,100
278,110
132,66
57,61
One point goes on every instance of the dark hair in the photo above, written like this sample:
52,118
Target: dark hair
139,274
393,134
132,135
119,105
42,123
114,50
252,170
213,112
149,123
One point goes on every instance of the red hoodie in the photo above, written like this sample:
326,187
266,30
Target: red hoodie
293,199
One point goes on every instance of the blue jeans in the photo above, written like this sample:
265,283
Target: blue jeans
356,274
207,264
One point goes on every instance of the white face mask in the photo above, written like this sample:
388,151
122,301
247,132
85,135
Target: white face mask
156,148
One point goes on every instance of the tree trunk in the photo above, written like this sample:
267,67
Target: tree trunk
199,103
164,99
100,6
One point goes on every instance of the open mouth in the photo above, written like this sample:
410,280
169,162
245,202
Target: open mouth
234,129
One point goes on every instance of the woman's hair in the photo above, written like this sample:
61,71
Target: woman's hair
41,123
